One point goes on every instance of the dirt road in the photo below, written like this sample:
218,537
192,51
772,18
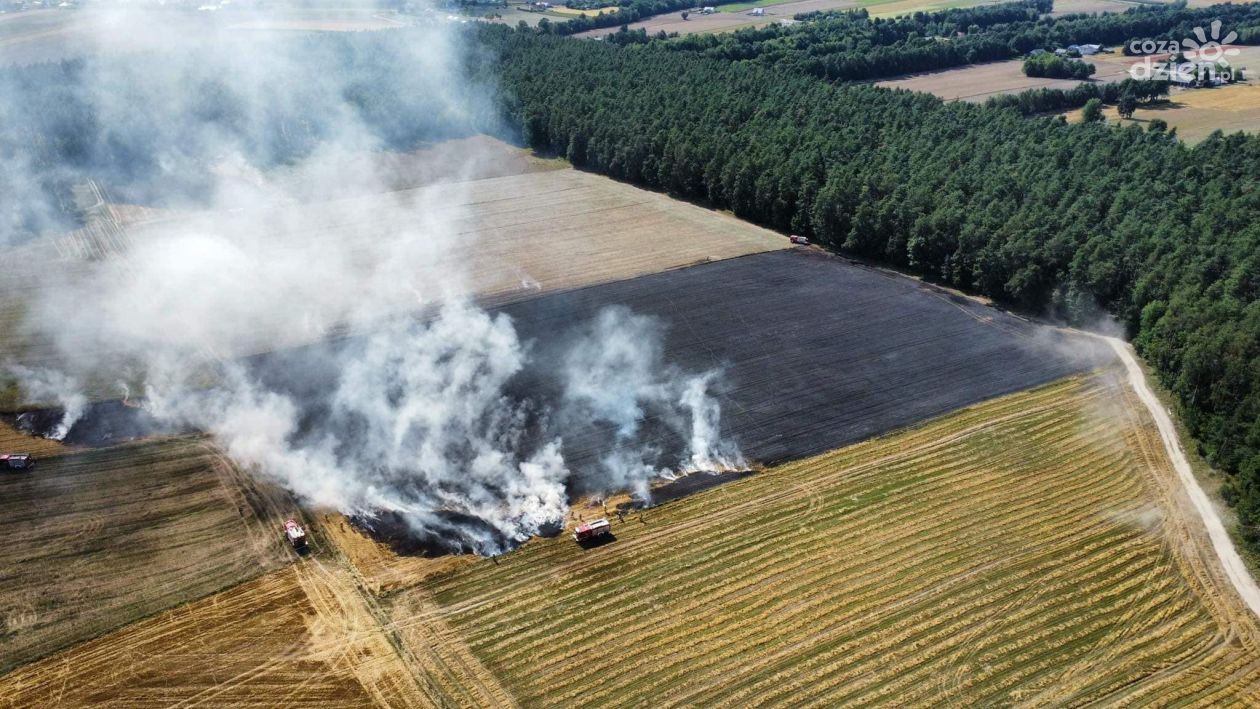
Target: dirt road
1233,564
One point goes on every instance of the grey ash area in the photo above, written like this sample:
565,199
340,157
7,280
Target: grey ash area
815,353
818,353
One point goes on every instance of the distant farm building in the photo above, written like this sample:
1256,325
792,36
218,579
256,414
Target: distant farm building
1083,50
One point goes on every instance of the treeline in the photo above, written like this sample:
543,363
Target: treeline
1037,101
850,46
1073,221
853,45
630,11
1051,66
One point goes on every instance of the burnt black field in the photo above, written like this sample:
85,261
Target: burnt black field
818,353
814,352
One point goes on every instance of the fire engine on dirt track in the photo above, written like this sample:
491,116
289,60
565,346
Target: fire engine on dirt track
295,534
17,461
592,530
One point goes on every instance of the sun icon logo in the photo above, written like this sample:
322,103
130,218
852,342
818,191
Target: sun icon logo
1210,50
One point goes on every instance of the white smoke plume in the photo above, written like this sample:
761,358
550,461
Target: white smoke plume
708,449
50,386
401,395
617,374
419,421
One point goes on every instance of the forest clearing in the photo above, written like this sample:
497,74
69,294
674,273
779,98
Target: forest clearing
1197,113
978,82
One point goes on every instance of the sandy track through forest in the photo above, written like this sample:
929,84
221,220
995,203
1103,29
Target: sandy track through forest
1231,562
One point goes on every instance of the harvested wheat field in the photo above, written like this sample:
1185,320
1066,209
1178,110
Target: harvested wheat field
977,82
735,17
1197,113
1074,7
510,237
56,34
1029,550
98,539
379,569
808,352
577,12
334,19
299,637
14,441
727,19
898,8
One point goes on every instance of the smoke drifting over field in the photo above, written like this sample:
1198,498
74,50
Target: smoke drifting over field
427,410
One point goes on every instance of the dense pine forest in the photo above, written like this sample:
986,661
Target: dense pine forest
1070,221
1078,222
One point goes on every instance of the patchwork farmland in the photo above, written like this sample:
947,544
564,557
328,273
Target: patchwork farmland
733,17
1026,548
1030,549
996,545
317,390
42,35
726,19
94,540
977,82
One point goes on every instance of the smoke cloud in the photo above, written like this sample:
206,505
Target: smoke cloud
352,367
53,386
